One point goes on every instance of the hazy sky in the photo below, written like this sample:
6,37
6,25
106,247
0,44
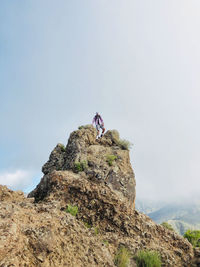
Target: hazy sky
136,62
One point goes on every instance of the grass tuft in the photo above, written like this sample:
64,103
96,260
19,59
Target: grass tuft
145,258
167,225
110,159
62,147
80,166
122,257
73,210
105,242
96,230
124,144
87,126
87,225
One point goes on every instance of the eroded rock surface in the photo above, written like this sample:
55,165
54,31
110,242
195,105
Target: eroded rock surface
83,147
42,235
37,231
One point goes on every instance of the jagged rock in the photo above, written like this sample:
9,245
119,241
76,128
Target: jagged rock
56,160
46,235
41,236
108,210
83,147
196,260
9,195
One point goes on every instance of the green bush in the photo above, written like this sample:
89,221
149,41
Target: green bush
80,166
168,226
193,236
110,159
124,144
148,259
73,210
122,257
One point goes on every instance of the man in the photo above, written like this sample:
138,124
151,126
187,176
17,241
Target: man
99,124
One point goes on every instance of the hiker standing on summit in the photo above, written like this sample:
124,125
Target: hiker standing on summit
99,124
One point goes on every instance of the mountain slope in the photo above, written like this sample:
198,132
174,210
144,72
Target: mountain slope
182,216
104,194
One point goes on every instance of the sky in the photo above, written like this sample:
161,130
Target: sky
135,62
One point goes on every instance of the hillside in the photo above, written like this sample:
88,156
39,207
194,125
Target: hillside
148,206
181,215
96,178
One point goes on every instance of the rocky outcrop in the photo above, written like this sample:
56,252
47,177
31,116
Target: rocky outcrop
196,259
81,175
101,207
42,235
96,156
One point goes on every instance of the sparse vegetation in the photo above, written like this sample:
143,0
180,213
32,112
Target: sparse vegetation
124,144
96,230
122,257
145,258
114,136
62,147
110,159
84,126
80,166
73,210
105,242
87,225
168,226
193,236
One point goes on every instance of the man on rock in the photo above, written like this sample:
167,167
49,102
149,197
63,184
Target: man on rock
99,124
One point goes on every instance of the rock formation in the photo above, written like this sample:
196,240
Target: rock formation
96,177
83,148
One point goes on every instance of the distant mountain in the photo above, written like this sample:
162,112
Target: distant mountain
182,216
181,227
148,206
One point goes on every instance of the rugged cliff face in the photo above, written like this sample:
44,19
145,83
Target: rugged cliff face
95,176
103,161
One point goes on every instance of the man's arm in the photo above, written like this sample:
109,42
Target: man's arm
101,120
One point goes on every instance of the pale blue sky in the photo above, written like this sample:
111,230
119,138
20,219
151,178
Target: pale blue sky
136,62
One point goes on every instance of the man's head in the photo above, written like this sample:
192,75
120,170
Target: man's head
97,113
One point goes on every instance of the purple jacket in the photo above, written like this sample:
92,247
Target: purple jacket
97,120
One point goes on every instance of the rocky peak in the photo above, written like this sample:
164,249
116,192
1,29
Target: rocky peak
103,161
96,178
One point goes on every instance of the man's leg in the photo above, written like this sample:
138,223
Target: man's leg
103,130
98,128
